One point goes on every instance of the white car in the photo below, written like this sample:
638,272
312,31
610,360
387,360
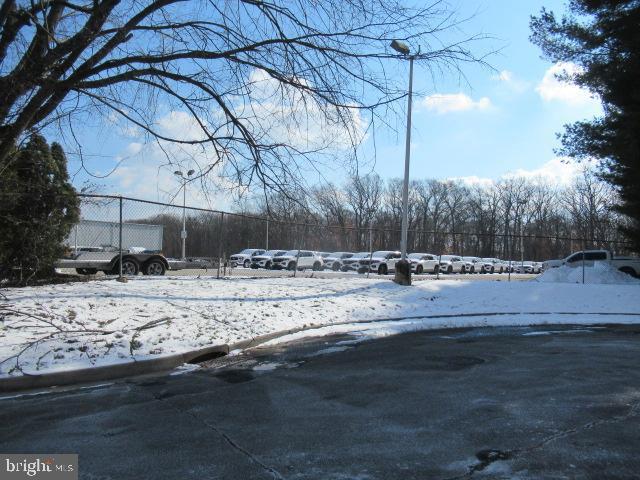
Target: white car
381,262
628,265
335,260
452,264
352,264
524,267
424,263
265,260
243,258
493,265
300,259
474,264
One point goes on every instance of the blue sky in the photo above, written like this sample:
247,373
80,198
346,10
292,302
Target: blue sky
502,122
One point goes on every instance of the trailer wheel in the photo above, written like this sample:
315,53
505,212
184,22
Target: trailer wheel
130,267
153,267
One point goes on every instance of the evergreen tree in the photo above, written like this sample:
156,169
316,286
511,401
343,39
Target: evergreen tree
602,37
39,209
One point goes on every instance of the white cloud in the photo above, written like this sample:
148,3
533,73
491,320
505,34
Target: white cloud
558,171
473,181
504,76
454,102
511,82
551,88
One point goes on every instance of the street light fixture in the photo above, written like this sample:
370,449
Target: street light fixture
183,234
403,49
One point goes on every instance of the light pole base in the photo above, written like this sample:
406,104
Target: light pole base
403,273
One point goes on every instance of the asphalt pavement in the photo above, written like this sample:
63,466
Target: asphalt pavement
527,403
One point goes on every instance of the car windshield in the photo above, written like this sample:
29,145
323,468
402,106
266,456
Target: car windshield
416,256
381,253
361,255
290,253
447,257
247,251
470,259
272,253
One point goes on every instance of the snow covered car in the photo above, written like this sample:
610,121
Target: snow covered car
300,259
264,260
243,259
474,264
424,263
352,263
628,265
335,260
381,262
452,264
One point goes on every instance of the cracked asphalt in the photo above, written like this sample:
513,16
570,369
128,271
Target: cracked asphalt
543,402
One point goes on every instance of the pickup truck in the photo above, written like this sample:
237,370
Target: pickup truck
628,265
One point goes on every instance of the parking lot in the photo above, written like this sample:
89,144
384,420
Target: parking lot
262,273
544,402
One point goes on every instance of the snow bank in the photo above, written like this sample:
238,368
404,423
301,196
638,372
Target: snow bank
600,273
77,325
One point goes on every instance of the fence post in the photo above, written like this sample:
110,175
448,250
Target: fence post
370,251
584,258
221,237
267,243
120,242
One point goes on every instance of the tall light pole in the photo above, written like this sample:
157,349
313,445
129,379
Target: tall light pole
403,49
183,234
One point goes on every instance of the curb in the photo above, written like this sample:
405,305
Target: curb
107,372
169,362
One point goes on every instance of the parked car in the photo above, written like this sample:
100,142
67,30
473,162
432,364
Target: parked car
538,266
380,262
244,257
300,259
452,264
335,260
524,267
474,264
353,263
424,262
628,265
494,265
266,259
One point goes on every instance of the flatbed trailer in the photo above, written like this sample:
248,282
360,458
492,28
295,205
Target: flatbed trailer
90,263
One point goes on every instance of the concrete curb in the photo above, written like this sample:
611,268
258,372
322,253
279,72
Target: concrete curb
107,372
169,362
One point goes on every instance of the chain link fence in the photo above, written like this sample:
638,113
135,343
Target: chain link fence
197,241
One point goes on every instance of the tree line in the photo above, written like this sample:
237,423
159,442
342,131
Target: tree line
513,218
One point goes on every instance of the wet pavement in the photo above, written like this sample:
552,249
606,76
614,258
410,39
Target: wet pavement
543,402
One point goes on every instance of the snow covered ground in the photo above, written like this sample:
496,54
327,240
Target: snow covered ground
76,325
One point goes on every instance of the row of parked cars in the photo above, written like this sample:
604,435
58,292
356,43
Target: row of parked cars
381,262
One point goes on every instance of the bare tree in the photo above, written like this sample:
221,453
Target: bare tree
261,85
364,196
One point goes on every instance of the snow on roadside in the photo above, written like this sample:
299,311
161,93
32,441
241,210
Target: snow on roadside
598,273
78,325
